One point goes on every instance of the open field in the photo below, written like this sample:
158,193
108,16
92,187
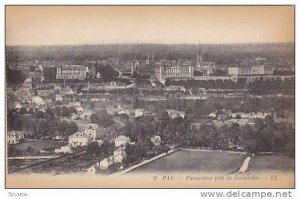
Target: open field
274,163
38,145
184,161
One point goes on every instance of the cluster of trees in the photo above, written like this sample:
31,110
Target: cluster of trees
264,136
39,124
283,72
259,86
102,118
242,104
106,71
63,111
105,149
274,86
226,137
58,111
137,151
49,74
15,77
269,136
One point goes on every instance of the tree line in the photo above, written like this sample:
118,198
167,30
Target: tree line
40,125
264,136
259,87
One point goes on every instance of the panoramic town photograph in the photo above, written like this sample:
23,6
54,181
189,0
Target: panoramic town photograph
150,96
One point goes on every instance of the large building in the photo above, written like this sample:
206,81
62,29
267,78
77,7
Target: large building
79,139
253,70
71,72
169,70
239,71
14,137
262,70
91,130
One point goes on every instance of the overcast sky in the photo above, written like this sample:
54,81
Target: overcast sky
51,25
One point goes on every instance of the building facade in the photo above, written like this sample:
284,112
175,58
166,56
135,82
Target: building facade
71,72
262,70
253,70
79,139
91,130
239,71
14,137
178,71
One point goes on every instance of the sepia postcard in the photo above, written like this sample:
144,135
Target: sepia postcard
150,96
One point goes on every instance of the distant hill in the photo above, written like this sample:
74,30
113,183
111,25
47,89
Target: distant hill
220,53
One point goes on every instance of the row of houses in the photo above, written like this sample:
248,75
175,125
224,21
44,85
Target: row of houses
119,155
227,114
128,110
116,159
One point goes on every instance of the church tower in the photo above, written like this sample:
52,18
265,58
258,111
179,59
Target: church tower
199,56
199,59
148,59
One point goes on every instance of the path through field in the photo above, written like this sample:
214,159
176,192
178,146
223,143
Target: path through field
245,165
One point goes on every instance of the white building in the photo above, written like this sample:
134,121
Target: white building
106,162
64,149
76,104
91,130
239,71
37,100
14,137
93,169
253,70
124,111
85,115
175,88
258,70
58,98
122,140
139,112
173,71
156,140
213,115
18,106
79,139
71,72
175,114
79,110
98,76
111,111
119,155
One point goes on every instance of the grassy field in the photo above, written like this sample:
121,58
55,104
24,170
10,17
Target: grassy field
194,161
38,145
274,163
68,164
